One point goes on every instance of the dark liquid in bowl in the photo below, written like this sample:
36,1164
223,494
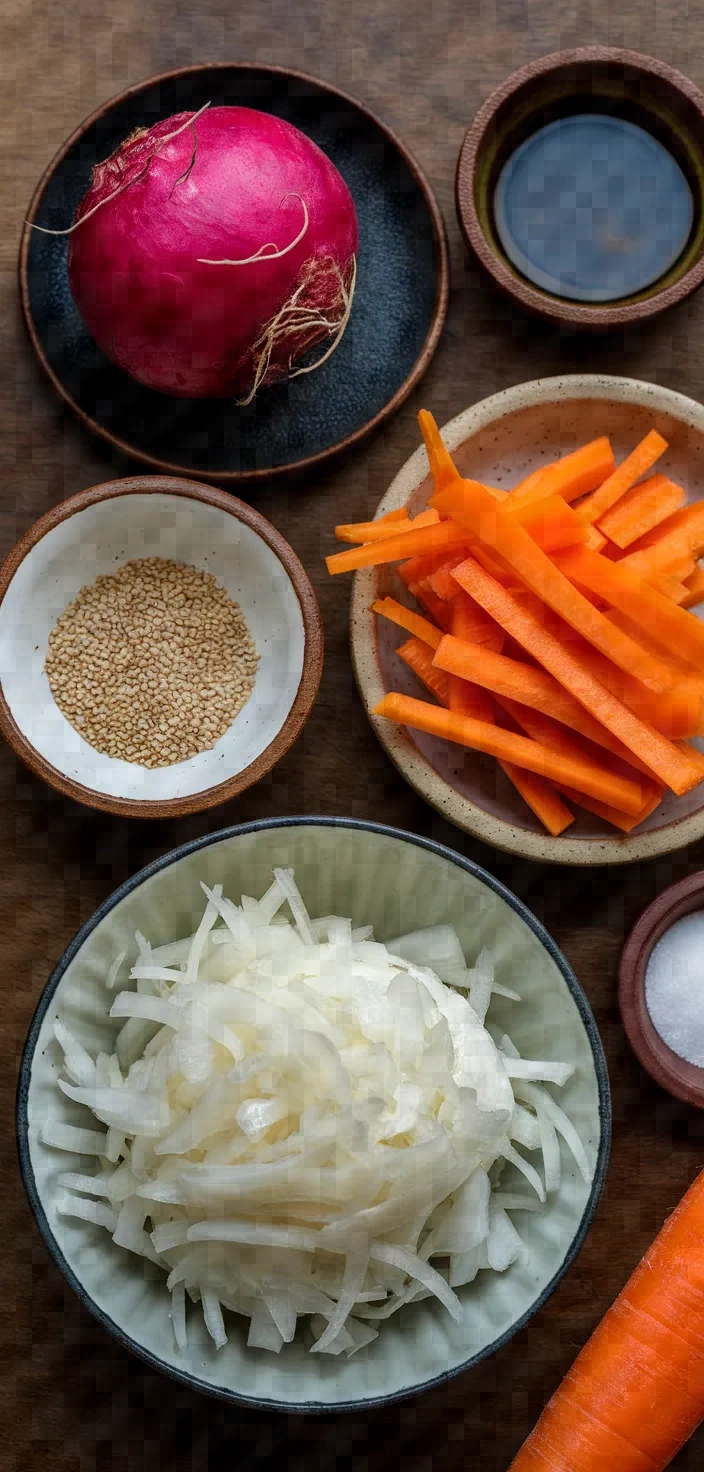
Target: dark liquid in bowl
593,208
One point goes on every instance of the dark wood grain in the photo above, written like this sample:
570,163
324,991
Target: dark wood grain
70,1400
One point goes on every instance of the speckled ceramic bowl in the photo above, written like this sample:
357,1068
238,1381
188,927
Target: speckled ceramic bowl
393,881
501,440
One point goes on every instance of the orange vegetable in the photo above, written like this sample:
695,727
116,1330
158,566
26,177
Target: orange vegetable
635,1393
628,472
695,588
465,697
671,558
684,529
666,623
418,656
440,582
469,621
399,545
420,627
595,539
641,509
541,797
625,821
438,610
572,476
672,588
662,758
551,523
585,775
376,531
679,664
469,504
415,569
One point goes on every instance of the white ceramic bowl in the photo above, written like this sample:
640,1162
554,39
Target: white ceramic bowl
94,533
501,440
396,882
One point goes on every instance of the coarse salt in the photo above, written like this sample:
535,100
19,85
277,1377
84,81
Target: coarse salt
674,988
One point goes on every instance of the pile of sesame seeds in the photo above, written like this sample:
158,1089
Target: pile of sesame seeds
152,663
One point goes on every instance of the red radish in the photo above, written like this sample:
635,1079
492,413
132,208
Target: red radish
212,251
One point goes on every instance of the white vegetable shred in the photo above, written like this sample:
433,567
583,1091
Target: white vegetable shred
300,1118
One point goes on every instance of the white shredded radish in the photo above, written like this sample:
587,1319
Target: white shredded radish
305,1123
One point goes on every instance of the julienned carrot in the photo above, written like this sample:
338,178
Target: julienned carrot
635,1393
662,758
527,685
376,531
642,508
401,514
397,546
638,463
695,588
552,523
415,624
414,569
469,503
595,539
685,528
669,558
680,665
434,606
572,476
469,621
419,658
466,699
664,621
584,775
672,588
541,728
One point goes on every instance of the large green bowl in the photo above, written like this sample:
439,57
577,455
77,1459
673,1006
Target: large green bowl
394,881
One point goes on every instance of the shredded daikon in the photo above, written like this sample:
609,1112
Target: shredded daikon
300,1118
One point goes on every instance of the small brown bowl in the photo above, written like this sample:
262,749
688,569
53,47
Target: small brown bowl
93,533
682,1079
638,88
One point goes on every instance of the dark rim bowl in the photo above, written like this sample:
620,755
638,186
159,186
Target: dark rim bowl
681,1079
379,152
640,88
215,792
600,1070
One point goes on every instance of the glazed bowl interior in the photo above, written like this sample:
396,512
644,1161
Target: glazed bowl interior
500,441
395,882
598,87
97,539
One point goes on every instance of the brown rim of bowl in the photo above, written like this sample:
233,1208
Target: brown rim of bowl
682,1079
464,812
312,649
239,477
538,302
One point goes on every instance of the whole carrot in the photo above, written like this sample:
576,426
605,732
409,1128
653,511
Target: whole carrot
635,1393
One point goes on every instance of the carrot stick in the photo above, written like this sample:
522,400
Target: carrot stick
420,627
669,558
414,569
376,531
399,545
419,658
641,509
434,606
695,588
628,472
595,539
469,621
635,1393
466,699
667,624
672,766
468,502
585,775
679,664
672,588
552,524
679,713
541,728
683,529
527,685
572,476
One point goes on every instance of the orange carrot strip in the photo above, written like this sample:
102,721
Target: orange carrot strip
414,569
420,627
666,623
469,503
552,523
695,588
585,775
595,539
419,658
672,588
541,797
572,476
641,509
434,606
465,697
399,545
679,713
679,664
635,1393
376,531
663,758
627,473
672,558
684,528
541,728
469,621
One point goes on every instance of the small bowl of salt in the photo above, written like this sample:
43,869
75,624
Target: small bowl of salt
661,989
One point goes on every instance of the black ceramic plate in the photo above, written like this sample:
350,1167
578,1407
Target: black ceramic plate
397,317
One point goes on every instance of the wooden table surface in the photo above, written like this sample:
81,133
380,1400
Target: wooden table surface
70,1399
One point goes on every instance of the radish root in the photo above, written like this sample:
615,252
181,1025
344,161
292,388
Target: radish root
275,253
301,320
